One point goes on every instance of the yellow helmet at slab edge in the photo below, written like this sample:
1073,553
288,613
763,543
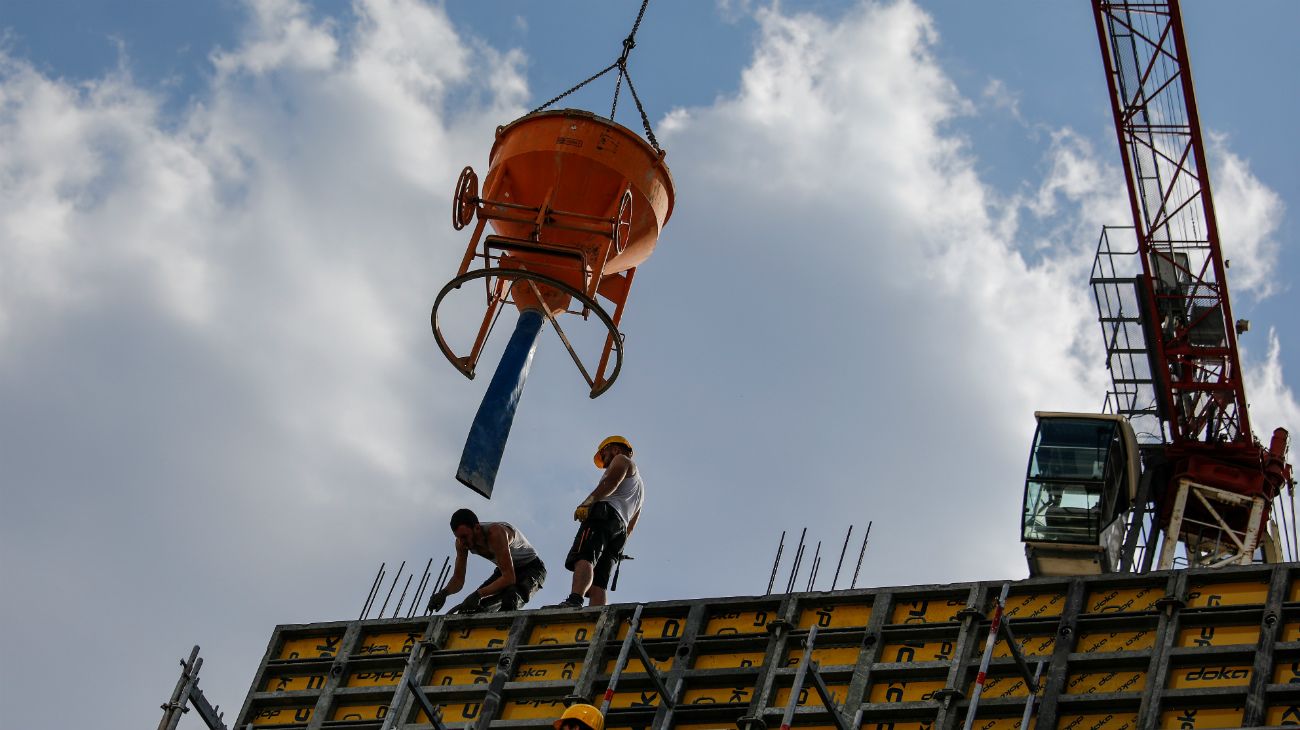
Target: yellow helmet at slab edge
611,440
585,714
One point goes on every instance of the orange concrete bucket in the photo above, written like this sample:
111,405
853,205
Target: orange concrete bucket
579,170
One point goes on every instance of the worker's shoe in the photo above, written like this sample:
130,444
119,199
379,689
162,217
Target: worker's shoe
573,601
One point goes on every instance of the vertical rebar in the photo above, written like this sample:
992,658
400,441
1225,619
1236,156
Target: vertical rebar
419,590
402,598
861,553
816,563
798,558
775,563
840,564
391,588
374,590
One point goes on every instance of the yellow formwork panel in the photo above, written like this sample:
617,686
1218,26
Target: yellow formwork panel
1034,605
898,690
1096,683
656,627
359,711
561,633
1202,676
828,657
465,674
1238,593
455,713
313,647
272,716
546,671
1001,723
1123,600
293,682
1101,642
476,637
626,698
842,616
1030,646
909,651
1286,673
729,661
634,665
1290,631
374,677
1283,715
927,611
387,644
1202,717
532,709
1099,721
1218,635
1007,685
808,696
733,623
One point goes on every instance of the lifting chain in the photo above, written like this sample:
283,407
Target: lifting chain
621,64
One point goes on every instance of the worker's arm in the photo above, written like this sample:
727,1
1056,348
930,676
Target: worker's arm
615,473
499,541
439,598
457,580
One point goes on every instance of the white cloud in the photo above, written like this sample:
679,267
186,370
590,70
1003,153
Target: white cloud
1249,215
1272,402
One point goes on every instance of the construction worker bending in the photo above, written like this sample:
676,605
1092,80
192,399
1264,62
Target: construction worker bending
580,717
519,571
608,516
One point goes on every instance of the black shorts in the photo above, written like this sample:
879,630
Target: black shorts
528,580
599,541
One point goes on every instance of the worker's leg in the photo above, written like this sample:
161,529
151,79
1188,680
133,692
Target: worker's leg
582,576
602,569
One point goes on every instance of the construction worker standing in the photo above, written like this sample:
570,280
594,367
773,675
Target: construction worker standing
608,516
519,571
580,717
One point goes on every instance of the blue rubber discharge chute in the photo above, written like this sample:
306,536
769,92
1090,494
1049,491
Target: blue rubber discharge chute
491,427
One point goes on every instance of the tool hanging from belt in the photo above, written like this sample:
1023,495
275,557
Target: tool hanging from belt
613,584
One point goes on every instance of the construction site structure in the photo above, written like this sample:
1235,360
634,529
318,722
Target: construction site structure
1184,478
1196,648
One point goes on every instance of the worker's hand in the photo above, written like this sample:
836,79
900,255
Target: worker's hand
437,601
470,604
580,514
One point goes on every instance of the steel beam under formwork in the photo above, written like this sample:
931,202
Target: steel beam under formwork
1142,650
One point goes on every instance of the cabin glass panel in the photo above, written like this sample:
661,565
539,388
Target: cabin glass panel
1073,484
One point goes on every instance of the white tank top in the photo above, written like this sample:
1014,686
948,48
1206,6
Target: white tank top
628,496
521,551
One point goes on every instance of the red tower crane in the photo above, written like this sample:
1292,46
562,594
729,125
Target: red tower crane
1178,419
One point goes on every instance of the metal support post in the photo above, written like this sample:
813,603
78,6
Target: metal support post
809,667
187,692
994,625
1029,701
653,671
633,627
1010,638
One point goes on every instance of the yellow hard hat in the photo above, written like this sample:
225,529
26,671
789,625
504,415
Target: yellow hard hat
611,440
585,714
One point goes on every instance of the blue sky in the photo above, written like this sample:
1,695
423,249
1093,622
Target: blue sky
222,224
